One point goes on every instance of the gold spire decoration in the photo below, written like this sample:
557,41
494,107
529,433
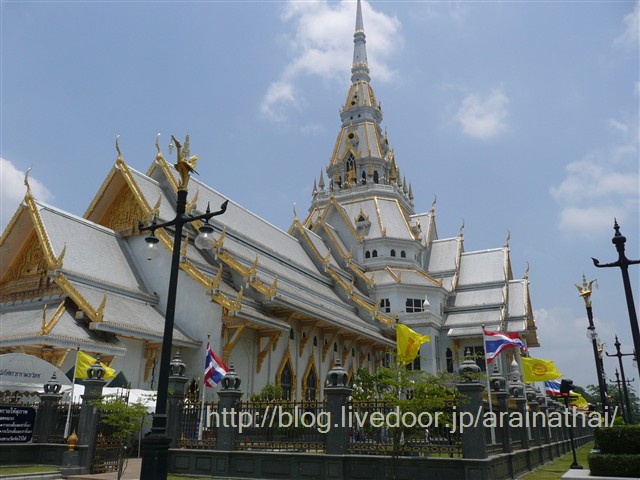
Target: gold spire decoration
119,159
185,166
410,192
506,243
314,192
585,290
321,182
433,204
461,226
44,320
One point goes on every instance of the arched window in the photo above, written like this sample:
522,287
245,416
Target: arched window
393,253
311,383
291,334
315,341
374,253
367,254
375,176
286,381
364,177
335,347
403,254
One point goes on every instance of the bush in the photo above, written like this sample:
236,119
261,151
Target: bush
619,440
614,465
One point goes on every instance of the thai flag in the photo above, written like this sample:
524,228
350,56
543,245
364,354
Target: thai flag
214,369
497,342
552,387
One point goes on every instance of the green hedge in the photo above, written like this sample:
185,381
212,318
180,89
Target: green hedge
614,465
618,440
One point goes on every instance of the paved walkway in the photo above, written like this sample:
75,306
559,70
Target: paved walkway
131,473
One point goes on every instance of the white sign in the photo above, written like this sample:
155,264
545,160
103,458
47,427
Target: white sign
26,373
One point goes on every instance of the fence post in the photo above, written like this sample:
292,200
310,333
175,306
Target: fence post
499,386
89,414
546,433
533,404
338,392
47,416
516,389
474,442
228,405
177,382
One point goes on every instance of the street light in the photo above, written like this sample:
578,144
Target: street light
566,387
619,354
585,293
155,446
623,262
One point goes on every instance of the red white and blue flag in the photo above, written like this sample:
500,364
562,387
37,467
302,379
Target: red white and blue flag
498,342
214,368
552,387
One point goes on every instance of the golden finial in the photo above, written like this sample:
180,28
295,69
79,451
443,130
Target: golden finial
254,268
506,243
159,154
585,290
433,204
314,192
118,148
295,214
26,181
461,226
183,165
155,211
220,242
321,182
526,272
215,282
72,441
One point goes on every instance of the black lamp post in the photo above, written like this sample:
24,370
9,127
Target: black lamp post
629,417
585,293
155,446
566,386
621,399
623,262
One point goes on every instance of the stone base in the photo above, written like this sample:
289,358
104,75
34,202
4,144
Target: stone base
584,475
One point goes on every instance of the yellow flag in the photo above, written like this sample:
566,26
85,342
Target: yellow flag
409,343
85,361
538,370
580,402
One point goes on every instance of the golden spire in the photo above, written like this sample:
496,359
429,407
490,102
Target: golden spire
585,290
433,204
410,192
506,243
314,192
321,182
461,226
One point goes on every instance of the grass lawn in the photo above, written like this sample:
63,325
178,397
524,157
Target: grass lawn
554,470
27,469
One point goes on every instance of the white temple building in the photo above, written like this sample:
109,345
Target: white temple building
281,306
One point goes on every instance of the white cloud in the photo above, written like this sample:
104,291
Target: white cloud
484,117
630,36
600,186
321,46
12,190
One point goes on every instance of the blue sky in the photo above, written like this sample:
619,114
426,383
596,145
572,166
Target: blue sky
521,117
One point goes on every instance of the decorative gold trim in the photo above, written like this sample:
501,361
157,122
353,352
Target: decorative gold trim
230,337
48,326
272,337
53,263
307,329
150,353
93,314
329,344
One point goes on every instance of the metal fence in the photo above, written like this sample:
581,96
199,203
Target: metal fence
282,426
195,429
370,435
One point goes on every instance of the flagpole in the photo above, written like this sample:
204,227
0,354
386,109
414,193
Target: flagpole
486,367
204,389
67,426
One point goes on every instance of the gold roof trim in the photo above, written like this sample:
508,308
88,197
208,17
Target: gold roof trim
128,177
53,263
272,337
48,326
95,315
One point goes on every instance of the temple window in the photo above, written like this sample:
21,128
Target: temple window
393,253
385,305
414,305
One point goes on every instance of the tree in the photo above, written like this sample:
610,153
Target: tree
409,392
124,421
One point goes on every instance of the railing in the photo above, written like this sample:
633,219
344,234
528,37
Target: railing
282,426
57,434
367,438
194,430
